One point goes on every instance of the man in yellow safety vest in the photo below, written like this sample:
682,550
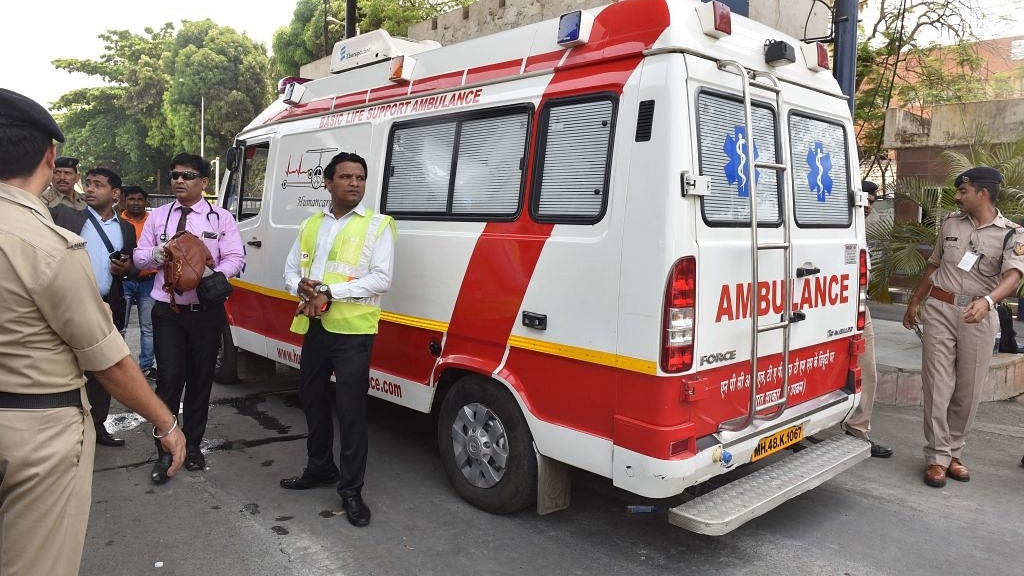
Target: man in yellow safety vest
340,264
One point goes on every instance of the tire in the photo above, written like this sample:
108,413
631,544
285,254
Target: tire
486,446
226,369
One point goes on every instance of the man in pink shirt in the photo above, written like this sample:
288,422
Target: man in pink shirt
187,336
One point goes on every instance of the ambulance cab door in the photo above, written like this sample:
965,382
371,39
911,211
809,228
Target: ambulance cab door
243,195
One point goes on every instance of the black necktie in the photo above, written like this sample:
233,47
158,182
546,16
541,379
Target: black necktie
185,211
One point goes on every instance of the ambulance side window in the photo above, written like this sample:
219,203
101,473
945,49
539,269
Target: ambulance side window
573,160
244,196
457,166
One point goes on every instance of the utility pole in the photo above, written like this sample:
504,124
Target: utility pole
350,18
327,51
845,60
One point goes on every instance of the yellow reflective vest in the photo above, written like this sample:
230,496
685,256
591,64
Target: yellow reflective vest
349,259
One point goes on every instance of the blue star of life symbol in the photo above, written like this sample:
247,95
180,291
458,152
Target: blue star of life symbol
819,177
736,147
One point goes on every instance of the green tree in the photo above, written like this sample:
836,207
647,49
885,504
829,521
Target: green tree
901,248
898,62
302,40
110,125
217,68
149,108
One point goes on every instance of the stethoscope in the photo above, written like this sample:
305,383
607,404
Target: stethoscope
167,219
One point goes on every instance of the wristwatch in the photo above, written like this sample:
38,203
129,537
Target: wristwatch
324,289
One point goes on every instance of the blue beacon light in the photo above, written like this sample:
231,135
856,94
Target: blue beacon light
574,28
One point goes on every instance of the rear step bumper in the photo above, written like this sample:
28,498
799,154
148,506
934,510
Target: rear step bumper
746,498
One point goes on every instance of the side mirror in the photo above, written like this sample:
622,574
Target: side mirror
232,156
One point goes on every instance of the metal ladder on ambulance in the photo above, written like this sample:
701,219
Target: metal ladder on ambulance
730,506
750,78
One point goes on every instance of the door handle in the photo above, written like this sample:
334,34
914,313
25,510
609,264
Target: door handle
255,243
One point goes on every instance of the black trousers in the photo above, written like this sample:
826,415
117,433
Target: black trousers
348,357
186,344
99,398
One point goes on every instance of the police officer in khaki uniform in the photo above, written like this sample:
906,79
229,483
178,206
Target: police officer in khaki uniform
978,260
62,186
858,423
51,331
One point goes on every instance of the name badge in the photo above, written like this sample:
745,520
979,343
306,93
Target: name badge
210,235
967,262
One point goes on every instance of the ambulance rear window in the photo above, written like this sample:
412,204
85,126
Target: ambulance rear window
458,167
725,157
821,172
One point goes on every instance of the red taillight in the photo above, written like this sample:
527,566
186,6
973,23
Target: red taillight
816,56
715,19
678,321
862,283
822,52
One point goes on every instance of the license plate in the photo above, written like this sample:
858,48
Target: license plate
774,442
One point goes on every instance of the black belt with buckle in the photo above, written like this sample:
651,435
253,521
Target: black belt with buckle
15,401
195,307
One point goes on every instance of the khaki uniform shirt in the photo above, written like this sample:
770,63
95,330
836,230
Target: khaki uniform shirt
50,328
51,197
996,254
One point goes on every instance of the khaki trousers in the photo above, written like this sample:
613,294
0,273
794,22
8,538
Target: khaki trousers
858,422
954,364
46,463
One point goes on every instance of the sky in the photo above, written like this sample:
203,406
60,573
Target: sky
34,36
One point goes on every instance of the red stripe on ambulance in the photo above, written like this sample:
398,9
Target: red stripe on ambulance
506,254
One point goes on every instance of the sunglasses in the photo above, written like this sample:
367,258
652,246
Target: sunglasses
187,175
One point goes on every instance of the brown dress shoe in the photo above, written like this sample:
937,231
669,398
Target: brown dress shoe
935,475
957,471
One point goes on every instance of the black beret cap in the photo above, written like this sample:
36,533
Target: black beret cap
66,162
18,110
979,174
868,186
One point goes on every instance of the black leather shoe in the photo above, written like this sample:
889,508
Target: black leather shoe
879,451
194,458
356,511
104,438
308,480
163,463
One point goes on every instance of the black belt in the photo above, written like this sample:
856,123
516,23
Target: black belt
196,307
17,401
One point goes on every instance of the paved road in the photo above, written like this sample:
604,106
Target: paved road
233,519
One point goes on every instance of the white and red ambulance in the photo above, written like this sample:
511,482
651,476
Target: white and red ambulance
629,241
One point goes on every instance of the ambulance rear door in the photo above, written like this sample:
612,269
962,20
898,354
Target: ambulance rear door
806,253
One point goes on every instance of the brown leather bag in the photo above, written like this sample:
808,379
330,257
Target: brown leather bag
185,259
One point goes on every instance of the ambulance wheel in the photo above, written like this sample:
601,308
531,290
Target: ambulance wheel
226,369
486,446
